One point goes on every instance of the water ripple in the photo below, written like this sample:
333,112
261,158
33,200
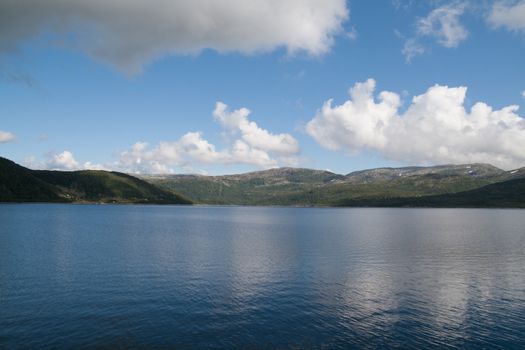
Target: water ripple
256,278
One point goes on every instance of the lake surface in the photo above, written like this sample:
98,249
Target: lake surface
81,276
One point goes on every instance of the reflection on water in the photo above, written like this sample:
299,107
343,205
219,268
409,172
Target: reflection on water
233,277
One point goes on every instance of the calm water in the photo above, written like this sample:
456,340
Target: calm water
75,276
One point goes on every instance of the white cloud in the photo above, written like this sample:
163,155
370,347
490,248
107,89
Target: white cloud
435,129
252,134
62,161
191,148
6,136
412,49
333,129
352,34
444,25
129,33
523,94
242,153
510,15
141,159
94,166
251,145
194,147
402,4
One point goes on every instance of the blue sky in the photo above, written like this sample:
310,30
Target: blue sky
81,90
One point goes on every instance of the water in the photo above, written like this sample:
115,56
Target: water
79,276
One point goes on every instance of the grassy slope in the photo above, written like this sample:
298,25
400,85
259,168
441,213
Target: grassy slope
308,187
104,186
506,194
288,187
19,184
413,186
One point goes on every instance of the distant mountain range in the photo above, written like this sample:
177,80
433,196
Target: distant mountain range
469,185
19,184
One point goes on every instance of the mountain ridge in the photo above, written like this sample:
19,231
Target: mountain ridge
478,185
305,187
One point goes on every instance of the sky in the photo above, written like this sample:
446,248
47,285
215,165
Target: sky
220,87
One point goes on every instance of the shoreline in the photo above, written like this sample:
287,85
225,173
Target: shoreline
200,205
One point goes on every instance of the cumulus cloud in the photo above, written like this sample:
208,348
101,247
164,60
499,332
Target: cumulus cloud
142,158
435,129
251,145
62,161
6,136
510,15
251,133
129,33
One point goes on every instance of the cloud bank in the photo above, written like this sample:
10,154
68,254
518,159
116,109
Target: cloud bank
248,144
435,129
130,33
6,136
61,161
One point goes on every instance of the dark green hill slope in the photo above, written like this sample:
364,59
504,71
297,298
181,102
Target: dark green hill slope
506,194
385,183
19,184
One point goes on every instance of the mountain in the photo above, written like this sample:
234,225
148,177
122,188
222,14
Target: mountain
384,183
469,185
282,186
440,171
19,184
305,187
